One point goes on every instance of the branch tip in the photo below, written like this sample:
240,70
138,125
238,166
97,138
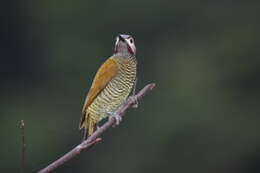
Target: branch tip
22,127
22,124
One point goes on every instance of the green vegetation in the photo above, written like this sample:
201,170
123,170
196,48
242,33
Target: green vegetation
204,57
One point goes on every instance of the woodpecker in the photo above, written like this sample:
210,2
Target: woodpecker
114,81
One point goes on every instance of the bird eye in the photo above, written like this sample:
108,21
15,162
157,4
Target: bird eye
131,41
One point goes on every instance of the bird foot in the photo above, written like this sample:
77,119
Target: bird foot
117,117
135,101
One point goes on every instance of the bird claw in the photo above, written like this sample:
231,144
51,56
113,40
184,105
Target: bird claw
117,117
135,101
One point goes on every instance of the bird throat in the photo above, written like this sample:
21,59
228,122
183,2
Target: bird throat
123,50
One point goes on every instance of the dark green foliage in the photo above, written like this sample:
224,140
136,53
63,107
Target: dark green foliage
202,117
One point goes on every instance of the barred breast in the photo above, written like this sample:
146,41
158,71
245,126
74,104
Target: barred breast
116,91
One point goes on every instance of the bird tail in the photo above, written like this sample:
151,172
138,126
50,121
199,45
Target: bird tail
90,126
87,123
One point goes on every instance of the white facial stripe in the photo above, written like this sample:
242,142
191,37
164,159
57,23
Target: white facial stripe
117,40
125,36
130,42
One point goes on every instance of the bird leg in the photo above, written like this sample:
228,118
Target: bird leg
117,117
135,101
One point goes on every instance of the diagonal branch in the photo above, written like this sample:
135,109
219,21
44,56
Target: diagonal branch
93,139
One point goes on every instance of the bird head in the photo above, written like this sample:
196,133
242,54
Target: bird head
124,45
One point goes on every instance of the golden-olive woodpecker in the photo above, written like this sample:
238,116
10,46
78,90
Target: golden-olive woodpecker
113,83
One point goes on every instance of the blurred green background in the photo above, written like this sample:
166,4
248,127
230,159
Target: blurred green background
202,117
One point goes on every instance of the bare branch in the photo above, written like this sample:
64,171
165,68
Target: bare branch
93,139
22,126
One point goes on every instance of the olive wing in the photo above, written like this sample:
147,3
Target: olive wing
104,75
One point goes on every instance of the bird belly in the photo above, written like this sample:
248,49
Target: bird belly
114,95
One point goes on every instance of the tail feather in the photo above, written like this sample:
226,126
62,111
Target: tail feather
88,124
82,120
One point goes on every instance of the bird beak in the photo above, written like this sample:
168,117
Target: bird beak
121,38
